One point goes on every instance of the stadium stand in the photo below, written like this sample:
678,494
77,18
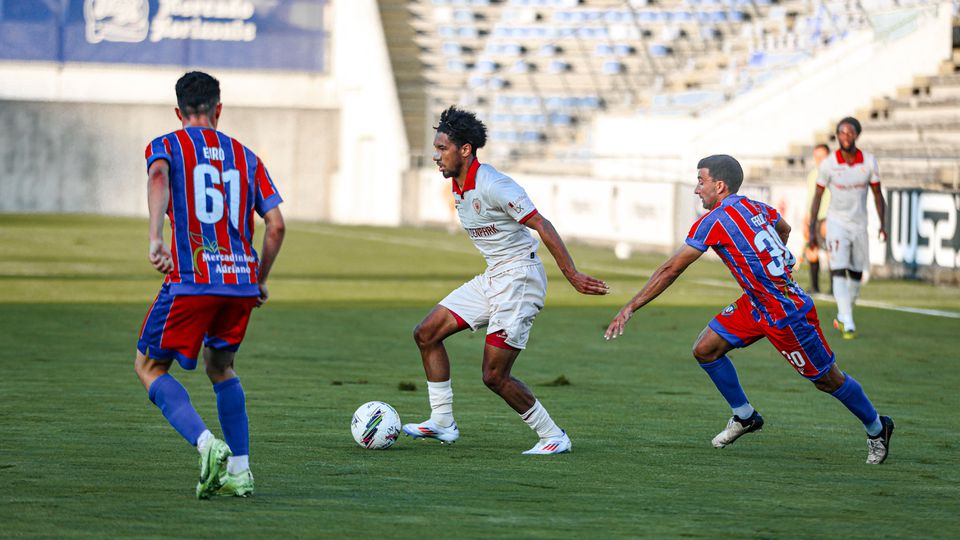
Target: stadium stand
915,135
539,70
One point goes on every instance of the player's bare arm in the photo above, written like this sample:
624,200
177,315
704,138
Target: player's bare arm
814,212
661,279
881,206
581,282
158,198
272,240
783,230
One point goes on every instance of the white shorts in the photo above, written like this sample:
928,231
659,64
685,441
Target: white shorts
849,249
508,300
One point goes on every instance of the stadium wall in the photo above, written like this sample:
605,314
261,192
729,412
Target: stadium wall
73,133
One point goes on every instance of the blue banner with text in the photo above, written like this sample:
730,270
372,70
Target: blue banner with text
285,35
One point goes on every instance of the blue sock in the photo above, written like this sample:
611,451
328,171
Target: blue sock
232,408
724,376
852,395
171,397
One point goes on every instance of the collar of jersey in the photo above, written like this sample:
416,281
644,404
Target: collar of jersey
471,181
728,200
857,158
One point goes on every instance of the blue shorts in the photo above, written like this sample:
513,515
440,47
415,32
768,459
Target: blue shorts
801,342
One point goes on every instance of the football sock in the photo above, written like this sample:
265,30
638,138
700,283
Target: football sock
815,276
851,394
854,286
441,402
237,464
203,440
171,397
539,420
232,409
841,292
724,377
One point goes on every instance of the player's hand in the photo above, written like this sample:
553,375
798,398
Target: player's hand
618,324
883,234
585,284
160,257
264,294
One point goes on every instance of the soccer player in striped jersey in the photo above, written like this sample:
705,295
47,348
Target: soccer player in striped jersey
750,237
208,185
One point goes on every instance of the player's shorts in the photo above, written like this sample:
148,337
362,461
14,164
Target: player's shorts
177,326
849,248
801,342
506,302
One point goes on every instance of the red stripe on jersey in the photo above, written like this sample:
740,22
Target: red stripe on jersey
173,225
224,246
246,218
528,216
263,184
201,270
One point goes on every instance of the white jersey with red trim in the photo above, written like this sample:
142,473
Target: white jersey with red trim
848,184
493,209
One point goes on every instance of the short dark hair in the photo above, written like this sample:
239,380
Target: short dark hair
197,93
462,127
824,146
853,122
725,168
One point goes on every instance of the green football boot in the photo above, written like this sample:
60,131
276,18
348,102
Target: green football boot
213,462
236,485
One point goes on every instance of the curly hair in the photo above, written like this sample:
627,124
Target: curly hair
462,127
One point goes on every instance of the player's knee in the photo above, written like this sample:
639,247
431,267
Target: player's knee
424,336
494,379
705,353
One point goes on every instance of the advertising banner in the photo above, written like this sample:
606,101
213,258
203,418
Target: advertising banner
924,230
238,34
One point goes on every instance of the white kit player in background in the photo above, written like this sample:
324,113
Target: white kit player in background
497,215
848,173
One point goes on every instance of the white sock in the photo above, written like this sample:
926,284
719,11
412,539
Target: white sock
841,292
854,294
744,411
203,440
441,402
238,464
539,420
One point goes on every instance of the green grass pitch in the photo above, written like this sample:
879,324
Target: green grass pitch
83,453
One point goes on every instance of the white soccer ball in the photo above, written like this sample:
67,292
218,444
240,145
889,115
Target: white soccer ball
375,425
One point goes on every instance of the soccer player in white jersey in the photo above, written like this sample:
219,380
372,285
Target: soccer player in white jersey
496,212
848,173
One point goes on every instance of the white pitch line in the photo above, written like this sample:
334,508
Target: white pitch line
637,272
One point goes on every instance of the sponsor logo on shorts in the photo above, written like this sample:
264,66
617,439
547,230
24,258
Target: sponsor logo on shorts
727,311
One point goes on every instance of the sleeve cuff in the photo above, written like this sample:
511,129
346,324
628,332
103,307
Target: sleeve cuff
699,246
528,216
269,204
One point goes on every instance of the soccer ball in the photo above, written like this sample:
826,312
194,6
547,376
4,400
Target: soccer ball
375,425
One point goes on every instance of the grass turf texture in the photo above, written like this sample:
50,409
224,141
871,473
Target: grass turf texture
85,454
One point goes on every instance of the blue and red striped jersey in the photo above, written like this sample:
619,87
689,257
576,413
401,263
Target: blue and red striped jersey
742,232
216,183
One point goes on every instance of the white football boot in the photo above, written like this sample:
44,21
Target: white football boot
737,428
431,430
553,445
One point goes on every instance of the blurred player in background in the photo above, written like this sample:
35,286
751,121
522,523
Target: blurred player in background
496,213
751,237
849,172
812,253
208,185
